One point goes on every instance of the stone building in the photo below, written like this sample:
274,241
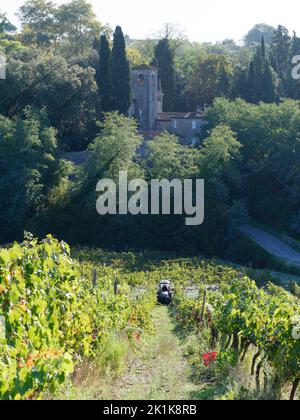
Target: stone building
147,109
187,126
147,97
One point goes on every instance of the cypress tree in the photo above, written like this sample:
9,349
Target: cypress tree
103,74
121,86
263,47
268,86
260,82
268,91
280,54
251,83
258,61
164,59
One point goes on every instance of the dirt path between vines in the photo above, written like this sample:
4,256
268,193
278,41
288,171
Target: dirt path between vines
159,372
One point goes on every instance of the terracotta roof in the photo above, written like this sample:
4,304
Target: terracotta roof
168,116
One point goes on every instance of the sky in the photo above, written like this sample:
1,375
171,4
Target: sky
200,20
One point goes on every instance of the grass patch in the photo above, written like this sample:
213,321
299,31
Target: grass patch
111,356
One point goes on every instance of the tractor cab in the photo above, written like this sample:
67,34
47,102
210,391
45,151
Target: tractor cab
164,292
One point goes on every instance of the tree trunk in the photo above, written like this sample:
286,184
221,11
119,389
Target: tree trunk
235,343
277,387
258,369
94,276
214,337
253,362
265,382
116,286
203,308
294,389
227,345
246,348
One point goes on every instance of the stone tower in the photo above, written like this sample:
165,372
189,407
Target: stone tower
147,97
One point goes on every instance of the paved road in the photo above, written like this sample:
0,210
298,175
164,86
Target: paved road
272,244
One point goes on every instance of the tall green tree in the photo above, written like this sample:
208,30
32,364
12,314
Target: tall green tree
263,47
239,85
72,26
270,167
260,81
38,22
257,32
121,86
259,59
220,156
68,92
77,26
164,59
8,40
280,53
114,149
207,80
251,83
295,45
167,158
224,82
103,74
30,170
294,88
268,88
5,24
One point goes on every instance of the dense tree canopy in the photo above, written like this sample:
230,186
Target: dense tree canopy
269,134
30,172
167,158
5,25
209,80
73,25
66,73
68,92
260,30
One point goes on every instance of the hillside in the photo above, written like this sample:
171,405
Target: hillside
101,332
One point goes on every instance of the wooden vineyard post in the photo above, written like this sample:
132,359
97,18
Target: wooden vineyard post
203,307
94,276
116,286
